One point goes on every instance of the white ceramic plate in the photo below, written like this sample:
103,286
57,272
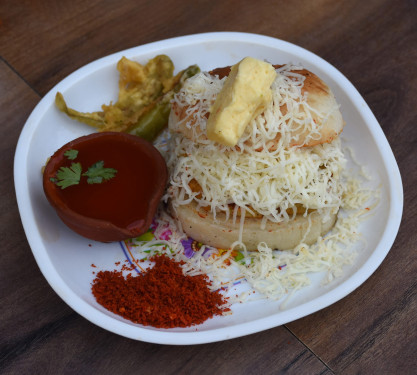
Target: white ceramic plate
65,258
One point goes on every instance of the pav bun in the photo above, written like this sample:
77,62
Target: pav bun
319,97
221,233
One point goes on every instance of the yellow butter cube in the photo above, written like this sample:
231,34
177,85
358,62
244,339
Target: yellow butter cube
245,94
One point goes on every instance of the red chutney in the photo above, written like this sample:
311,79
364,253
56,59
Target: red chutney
115,209
162,297
120,200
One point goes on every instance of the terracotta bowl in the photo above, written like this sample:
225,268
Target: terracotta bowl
122,207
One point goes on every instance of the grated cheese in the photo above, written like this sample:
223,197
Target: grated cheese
258,182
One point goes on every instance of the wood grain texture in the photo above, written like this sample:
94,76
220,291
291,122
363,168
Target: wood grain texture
374,43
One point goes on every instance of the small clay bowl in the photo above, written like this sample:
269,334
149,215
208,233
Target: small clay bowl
116,209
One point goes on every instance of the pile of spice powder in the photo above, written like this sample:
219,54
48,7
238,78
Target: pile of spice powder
162,297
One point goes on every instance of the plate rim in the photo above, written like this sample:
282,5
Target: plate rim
148,334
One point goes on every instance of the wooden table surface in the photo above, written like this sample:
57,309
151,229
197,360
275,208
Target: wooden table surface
373,43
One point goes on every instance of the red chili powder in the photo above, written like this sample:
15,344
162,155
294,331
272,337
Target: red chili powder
162,297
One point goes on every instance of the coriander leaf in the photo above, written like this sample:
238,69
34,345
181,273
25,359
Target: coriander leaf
239,256
71,154
97,173
69,176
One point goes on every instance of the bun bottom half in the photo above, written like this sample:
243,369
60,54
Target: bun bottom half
221,233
